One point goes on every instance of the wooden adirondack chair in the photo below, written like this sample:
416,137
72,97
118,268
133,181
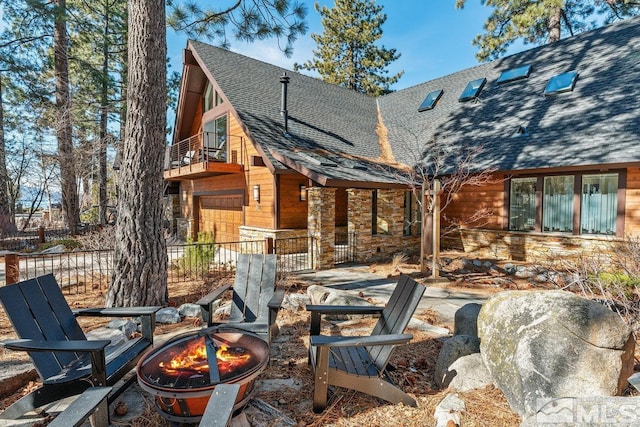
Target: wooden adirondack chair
360,363
66,361
255,299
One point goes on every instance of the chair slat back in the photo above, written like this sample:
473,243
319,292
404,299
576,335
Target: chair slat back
38,310
254,286
396,316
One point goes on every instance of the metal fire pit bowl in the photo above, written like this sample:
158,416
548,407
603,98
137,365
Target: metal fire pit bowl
182,390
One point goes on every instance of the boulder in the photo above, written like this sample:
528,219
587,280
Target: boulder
549,344
168,315
467,373
127,327
295,302
466,320
190,310
114,335
453,349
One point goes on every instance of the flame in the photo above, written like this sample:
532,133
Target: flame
194,358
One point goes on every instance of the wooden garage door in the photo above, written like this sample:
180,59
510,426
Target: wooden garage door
222,215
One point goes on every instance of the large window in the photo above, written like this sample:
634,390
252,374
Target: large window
599,204
557,206
215,138
412,215
564,201
522,209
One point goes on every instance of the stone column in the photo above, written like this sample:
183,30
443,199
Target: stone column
321,223
359,221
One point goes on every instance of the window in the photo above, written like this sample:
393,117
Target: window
208,97
215,138
219,99
514,74
431,100
564,82
557,205
522,209
472,90
599,204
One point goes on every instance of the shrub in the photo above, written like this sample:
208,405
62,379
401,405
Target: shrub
197,256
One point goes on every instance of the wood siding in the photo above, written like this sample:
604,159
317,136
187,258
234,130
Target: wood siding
471,199
632,206
292,210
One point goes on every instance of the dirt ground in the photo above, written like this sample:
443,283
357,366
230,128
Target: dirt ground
415,362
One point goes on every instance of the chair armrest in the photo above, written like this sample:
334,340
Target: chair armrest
73,346
214,295
276,300
344,309
206,303
117,311
339,341
318,310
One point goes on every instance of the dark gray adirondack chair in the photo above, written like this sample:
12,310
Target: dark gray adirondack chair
66,361
255,299
360,363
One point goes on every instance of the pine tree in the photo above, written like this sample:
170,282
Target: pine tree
347,54
544,21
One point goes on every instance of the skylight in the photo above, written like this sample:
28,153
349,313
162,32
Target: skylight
430,101
514,74
472,90
561,83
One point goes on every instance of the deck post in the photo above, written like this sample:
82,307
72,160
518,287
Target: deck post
12,268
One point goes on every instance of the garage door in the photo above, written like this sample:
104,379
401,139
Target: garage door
221,215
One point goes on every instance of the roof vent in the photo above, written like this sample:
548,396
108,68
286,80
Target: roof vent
284,80
520,131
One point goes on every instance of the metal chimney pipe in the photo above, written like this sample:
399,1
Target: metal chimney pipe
284,80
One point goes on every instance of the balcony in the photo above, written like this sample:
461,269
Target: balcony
200,156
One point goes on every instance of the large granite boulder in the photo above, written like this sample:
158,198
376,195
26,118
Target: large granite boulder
547,344
322,295
468,373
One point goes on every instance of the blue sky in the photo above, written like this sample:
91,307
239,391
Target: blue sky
433,37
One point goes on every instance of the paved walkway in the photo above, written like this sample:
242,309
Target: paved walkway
444,300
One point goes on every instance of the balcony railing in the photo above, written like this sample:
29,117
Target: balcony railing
201,154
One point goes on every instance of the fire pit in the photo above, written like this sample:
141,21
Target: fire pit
183,372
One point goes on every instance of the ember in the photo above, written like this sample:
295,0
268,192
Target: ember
194,359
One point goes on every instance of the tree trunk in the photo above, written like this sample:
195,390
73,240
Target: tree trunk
7,223
64,129
140,273
554,25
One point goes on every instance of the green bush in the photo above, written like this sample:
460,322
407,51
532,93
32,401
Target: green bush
69,244
198,256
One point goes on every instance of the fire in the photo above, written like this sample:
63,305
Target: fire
194,358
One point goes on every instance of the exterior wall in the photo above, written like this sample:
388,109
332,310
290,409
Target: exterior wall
472,199
292,210
322,226
632,203
371,247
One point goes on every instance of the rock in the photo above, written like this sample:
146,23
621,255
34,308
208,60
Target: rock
116,336
510,268
548,344
329,296
467,373
423,326
168,315
190,310
223,311
127,327
466,320
477,263
57,249
453,349
261,414
448,411
295,302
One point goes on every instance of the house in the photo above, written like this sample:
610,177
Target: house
260,151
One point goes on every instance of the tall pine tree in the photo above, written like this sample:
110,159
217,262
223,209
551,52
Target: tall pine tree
347,54
544,21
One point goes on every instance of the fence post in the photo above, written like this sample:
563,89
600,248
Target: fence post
268,245
12,268
41,238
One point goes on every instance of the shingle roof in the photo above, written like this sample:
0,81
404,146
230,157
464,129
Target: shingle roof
597,123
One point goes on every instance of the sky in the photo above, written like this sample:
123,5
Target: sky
432,36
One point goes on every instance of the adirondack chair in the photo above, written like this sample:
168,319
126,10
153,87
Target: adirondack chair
255,299
360,363
66,361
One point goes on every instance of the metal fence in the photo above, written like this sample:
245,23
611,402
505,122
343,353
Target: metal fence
78,270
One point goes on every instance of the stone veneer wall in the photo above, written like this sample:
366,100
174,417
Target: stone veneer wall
529,247
300,242
391,210
321,222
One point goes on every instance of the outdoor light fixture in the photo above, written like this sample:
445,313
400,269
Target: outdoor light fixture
256,193
303,193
